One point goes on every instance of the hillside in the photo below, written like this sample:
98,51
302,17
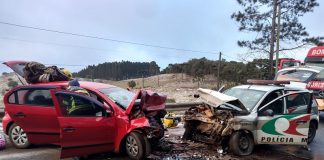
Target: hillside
4,85
178,87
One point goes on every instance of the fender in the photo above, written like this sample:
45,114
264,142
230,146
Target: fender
138,123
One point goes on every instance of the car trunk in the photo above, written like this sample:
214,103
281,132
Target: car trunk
18,68
212,121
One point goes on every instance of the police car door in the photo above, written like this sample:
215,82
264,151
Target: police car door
285,120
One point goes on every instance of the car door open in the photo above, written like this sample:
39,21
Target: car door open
285,120
85,125
33,110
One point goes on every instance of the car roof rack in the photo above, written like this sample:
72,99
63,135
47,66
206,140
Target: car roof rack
266,82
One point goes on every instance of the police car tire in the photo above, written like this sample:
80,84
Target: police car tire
234,143
141,144
10,133
312,126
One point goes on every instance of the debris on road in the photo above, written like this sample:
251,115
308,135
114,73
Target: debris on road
171,120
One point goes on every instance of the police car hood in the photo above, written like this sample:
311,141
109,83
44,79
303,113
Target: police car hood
220,100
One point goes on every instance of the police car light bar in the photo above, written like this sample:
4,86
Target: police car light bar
266,82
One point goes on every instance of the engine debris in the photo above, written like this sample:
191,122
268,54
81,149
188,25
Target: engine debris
207,124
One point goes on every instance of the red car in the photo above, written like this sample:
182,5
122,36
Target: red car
117,120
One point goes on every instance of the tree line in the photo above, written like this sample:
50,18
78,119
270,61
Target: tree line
119,70
230,71
198,68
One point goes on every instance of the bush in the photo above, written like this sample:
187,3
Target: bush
131,84
12,84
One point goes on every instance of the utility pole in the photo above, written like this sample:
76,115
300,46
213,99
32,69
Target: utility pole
273,27
218,70
278,36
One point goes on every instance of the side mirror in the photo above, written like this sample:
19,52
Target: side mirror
268,112
221,89
109,111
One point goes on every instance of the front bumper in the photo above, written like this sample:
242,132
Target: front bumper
5,121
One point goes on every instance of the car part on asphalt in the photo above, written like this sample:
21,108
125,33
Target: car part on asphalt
171,120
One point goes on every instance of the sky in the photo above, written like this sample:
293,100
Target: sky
183,24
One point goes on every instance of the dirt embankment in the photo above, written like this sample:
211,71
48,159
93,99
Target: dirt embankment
178,87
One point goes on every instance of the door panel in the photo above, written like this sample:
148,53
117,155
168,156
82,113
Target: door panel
38,121
289,126
283,129
83,131
86,135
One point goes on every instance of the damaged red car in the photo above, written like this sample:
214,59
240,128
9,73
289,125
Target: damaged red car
116,119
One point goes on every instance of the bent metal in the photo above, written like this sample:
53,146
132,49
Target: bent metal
280,139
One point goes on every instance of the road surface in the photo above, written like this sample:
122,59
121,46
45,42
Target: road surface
50,152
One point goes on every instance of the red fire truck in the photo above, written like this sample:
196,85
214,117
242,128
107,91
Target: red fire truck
288,62
315,57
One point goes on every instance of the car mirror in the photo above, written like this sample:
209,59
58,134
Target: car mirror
268,112
221,89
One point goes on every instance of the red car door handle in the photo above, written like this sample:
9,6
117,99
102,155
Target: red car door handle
20,115
68,129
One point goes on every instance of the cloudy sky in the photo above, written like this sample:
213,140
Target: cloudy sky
185,24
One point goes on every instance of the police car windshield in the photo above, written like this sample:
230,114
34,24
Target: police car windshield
248,97
295,75
122,97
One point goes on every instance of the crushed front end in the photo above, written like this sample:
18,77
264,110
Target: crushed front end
213,121
150,105
206,124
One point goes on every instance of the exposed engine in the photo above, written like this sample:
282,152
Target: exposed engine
207,124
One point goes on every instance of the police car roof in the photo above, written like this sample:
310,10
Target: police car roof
305,68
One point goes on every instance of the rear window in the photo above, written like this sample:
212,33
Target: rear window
33,97
295,75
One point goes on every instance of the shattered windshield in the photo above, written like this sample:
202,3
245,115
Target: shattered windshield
122,97
248,97
294,75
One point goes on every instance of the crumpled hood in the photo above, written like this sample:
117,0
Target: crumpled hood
149,101
216,99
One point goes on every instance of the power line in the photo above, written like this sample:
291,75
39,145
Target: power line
103,38
74,46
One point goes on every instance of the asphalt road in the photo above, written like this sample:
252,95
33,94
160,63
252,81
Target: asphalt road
315,151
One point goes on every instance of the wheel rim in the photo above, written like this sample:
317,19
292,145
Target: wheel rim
132,146
244,142
18,136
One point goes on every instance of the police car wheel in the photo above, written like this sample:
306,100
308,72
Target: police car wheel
311,132
136,146
18,137
241,143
